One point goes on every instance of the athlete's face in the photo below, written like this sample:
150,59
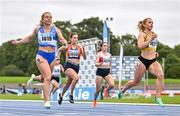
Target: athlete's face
74,39
105,47
47,19
148,24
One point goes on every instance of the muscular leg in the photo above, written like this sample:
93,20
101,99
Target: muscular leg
156,69
38,78
74,76
140,70
55,86
68,83
44,68
99,81
110,82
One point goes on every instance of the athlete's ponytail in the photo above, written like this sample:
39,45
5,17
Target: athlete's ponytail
141,24
100,47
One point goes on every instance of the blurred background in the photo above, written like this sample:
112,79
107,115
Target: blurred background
86,17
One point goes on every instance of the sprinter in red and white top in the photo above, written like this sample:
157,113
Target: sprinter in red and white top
103,64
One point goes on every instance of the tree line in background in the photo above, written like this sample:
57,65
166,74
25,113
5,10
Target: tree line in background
20,60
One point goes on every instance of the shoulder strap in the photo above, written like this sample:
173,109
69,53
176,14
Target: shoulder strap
145,34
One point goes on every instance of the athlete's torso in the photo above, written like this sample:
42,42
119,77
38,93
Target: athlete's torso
56,71
46,39
106,59
150,51
73,53
152,45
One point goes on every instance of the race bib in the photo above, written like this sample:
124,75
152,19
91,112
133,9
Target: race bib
46,37
153,43
73,53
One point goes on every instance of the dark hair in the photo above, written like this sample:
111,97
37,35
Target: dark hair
101,44
141,24
71,34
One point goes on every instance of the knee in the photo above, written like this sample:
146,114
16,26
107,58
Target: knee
56,86
111,86
76,79
160,76
136,83
47,78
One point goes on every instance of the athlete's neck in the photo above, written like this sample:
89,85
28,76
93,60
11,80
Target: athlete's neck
47,28
73,45
104,51
147,31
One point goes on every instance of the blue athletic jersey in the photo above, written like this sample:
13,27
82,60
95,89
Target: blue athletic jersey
47,39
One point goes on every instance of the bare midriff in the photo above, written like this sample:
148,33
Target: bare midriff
47,49
148,54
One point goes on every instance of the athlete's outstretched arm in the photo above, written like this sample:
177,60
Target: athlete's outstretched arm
25,39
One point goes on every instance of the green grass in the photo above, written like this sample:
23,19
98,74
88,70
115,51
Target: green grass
166,99
153,81
4,79
23,97
166,81
14,79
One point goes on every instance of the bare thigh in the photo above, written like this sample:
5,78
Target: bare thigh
99,81
156,70
55,83
109,80
71,74
43,67
139,72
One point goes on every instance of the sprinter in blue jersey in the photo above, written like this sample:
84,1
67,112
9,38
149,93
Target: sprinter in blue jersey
47,35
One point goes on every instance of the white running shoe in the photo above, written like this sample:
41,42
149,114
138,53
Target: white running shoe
30,81
47,105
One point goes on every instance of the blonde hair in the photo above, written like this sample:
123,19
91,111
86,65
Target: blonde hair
141,24
42,17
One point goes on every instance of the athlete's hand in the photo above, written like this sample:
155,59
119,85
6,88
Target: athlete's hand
14,42
154,35
157,54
